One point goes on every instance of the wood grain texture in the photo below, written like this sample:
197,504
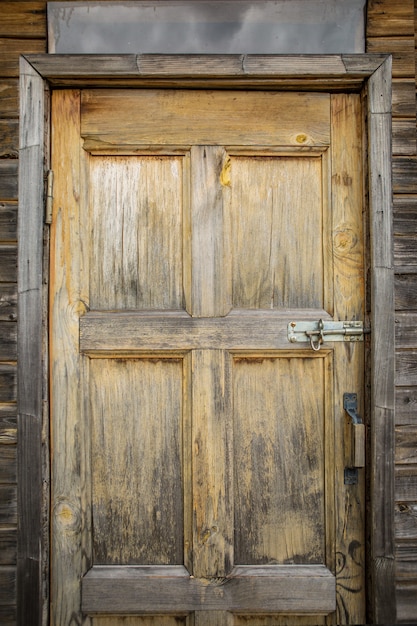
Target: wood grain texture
348,259
389,18
9,139
112,590
266,194
22,19
137,264
8,430
8,302
403,98
30,345
382,347
204,118
8,220
210,249
402,51
403,137
70,471
136,415
7,382
8,179
9,98
404,175
8,262
12,48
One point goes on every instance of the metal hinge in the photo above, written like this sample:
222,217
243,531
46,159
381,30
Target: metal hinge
49,196
317,332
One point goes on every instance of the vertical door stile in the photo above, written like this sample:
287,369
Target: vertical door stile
347,195
69,444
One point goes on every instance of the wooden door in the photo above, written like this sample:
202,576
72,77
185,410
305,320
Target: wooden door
198,456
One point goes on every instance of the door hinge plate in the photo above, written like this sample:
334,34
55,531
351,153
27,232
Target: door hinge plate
316,333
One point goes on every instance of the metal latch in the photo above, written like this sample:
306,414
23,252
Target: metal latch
317,332
357,428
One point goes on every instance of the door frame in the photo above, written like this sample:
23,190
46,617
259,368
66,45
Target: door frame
368,74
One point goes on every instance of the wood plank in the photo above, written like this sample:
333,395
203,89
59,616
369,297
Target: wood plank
116,590
9,98
406,406
7,382
405,368
8,546
209,254
8,429
381,561
389,18
8,221
8,263
71,486
406,598
7,585
8,302
204,118
348,254
406,521
12,48
8,179
406,330
403,98
402,51
404,137
8,341
23,19
8,505
404,175
406,483
9,139
8,615
212,479
176,331
8,469
406,444
31,346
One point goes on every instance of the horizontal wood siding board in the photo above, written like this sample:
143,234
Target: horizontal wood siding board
9,98
404,98
406,330
8,504
406,445
8,341
390,18
406,521
405,291
406,368
23,19
8,546
11,49
404,137
7,382
8,221
8,179
8,302
8,263
406,600
404,175
7,585
8,465
406,406
8,428
9,139
113,591
406,483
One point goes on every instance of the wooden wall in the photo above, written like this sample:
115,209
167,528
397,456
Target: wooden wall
390,28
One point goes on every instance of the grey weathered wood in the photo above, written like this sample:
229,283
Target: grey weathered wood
8,546
8,430
405,330
8,179
406,368
382,346
256,589
406,406
7,382
30,345
264,70
8,263
136,331
8,341
8,302
8,220
404,174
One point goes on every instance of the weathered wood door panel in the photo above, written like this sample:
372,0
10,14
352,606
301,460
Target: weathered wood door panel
197,456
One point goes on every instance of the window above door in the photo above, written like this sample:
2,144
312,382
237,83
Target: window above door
207,27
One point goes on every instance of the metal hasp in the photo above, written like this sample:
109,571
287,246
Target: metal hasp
350,405
317,332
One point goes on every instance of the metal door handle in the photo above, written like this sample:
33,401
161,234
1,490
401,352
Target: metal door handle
350,404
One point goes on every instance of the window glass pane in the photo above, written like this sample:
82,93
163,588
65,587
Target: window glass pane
207,26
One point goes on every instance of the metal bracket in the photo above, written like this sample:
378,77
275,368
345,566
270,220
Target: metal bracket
317,332
350,405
